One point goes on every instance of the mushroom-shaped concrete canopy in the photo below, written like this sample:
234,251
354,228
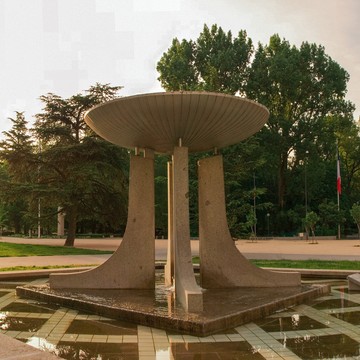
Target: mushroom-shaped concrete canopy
202,120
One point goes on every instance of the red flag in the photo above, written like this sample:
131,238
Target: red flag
338,179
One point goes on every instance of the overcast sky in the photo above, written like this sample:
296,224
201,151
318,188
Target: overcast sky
65,46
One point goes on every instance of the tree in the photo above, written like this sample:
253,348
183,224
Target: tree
214,62
349,149
19,170
161,197
81,173
330,217
242,162
355,213
251,222
3,218
301,87
63,164
310,222
17,149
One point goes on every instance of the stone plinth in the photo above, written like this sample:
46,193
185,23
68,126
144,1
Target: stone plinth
132,265
354,282
222,308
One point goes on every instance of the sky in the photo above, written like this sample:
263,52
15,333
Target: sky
65,46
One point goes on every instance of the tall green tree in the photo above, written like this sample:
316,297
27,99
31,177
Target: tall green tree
349,149
81,173
19,170
61,164
301,87
216,61
18,149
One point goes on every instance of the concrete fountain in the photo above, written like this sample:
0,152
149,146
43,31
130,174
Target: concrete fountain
231,290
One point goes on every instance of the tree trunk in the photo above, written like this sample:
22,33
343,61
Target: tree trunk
71,214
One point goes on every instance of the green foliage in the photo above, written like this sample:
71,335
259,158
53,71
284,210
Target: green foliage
355,213
3,218
62,164
161,187
349,149
83,174
329,218
293,156
214,62
310,221
18,150
301,87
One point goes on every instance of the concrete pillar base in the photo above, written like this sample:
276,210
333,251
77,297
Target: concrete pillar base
188,293
132,264
170,258
222,265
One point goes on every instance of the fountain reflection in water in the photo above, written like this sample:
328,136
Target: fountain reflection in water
223,308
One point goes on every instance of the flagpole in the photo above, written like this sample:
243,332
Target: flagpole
338,204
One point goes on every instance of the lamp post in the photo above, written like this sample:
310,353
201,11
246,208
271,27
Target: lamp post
268,223
39,199
306,191
254,207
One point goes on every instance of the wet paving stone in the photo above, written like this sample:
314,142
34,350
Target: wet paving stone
219,351
352,317
9,323
84,350
3,293
30,308
334,304
10,285
289,323
323,347
85,336
104,327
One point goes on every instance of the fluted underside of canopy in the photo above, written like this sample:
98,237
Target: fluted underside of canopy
157,121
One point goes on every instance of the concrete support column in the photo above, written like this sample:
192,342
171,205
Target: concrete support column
188,293
132,266
170,262
222,264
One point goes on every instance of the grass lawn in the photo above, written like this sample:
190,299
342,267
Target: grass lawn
26,268
309,264
10,250
290,264
303,264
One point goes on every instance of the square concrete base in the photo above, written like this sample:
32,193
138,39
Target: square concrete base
223,309
354,282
